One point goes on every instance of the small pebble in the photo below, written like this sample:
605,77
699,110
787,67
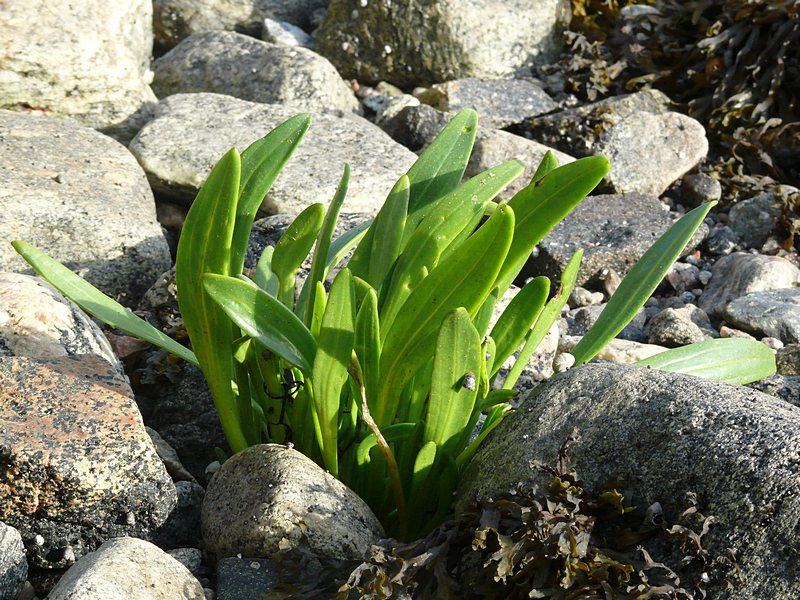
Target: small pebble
772,342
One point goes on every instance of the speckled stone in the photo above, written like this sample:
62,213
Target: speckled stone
774,313
81,197
36,321
268,496
230,63
739,274
76,464
665,435
192,131
127,569
13,566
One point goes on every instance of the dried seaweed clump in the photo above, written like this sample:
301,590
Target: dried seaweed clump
734,64
562,543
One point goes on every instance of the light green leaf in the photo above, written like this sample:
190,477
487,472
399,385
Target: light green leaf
640,282
454,382
389,226
205,247
264,277
732,360
549,163
263,318
465,279
293,248
397,432
334,349
262,161
368,346
96,303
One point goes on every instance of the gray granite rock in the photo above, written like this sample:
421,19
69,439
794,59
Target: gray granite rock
13,566
192,131
614,231
617,351
81,197
269,497
722,240
88,60
666,435
674,327
245,578
286,34
182,527
754,219
787,359
36,321
697,188
230,63
191,558
625,129
174,20
499,102
127,568
580,320
785,387
78,465
169,457
739,274
775,313
416,42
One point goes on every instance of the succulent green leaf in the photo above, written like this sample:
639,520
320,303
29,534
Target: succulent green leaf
335,346
264,277
262,161
518,318
423,485
368,344
541,205
639,284
731,360
549,163
454,382
96,303
397,432
319,261
465,278
263,318
389,226
293,248
205,247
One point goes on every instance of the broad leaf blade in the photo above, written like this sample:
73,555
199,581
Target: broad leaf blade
263,318
732,360
389,226
454,381
368,346
262,162
205,247
96,303
264,276
331,363
293,248
640,282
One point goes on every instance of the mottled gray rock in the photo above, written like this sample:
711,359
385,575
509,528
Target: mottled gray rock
127,568
616,351
78,466
80,197
416,126
614,231
36,321
580,320
88,60
697,188
174,20
182,527
684,277
499,102
286,34
580,297
775,313
722,240
169,457
13,566
230,63
245,578
787,359
784,387
415,42
666,435
192,131
268,496
674,327
191,558
624,129
754,219
739,274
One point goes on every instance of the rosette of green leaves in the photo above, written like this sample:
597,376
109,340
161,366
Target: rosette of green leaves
382,374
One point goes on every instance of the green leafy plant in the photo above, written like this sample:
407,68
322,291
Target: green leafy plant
380,377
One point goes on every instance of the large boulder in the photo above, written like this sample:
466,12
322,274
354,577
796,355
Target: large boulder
192,131
418,42
88,60
229,63
79,196
665,435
